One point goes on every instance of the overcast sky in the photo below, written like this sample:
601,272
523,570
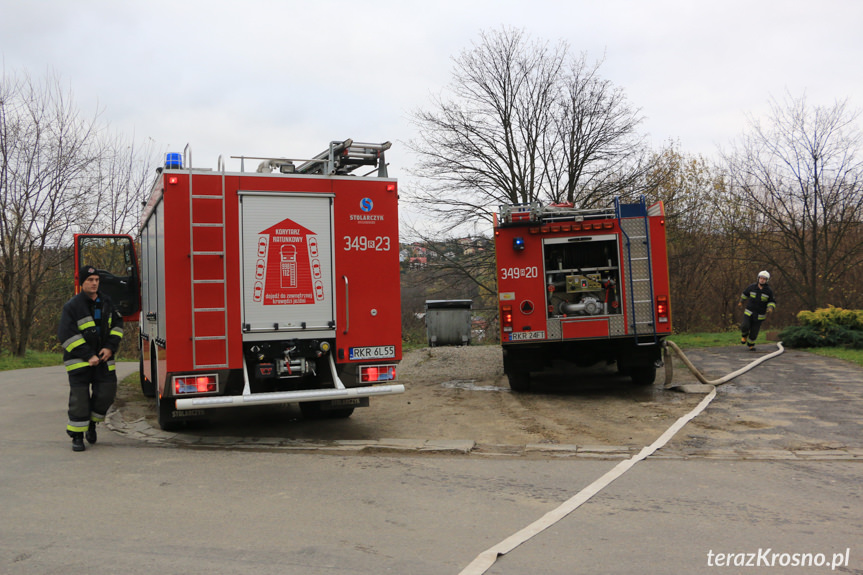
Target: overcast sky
283,78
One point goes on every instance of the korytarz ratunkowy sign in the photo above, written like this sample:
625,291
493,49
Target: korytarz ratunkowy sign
288,269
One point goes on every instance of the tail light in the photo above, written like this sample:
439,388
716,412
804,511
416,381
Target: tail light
506,318
662,309
376,373
196,384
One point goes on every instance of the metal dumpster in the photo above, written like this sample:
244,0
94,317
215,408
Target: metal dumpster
448,321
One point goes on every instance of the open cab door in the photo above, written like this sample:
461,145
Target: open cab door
115,258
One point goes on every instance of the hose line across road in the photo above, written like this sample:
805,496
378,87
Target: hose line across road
487,558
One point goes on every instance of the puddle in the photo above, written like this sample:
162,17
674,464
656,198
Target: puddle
470,384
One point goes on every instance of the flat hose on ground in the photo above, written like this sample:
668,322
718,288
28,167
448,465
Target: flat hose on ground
487,558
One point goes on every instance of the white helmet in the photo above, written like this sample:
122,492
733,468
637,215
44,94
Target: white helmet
764,274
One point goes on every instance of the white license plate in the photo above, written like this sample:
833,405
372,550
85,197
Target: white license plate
374,352
526,335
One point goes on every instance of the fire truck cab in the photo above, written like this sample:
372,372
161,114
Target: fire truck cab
582,285
279,285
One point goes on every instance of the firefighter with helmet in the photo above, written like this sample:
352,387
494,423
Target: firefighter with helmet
758,302
90,331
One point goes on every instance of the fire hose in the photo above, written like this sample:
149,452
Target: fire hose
487,558
706,386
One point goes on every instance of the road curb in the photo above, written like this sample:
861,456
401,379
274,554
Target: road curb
141,430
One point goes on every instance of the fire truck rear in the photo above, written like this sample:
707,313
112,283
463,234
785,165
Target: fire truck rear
582,285
279,285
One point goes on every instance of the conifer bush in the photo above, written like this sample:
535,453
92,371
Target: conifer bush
826,327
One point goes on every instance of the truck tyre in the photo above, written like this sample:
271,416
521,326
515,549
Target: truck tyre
148,388
644,375
163,410
519,380
166,420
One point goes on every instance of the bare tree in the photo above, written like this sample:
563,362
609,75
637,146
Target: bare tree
125,171
524,122
46,148
596,152
59,175
800,174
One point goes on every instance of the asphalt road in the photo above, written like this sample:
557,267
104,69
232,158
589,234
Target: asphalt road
757,477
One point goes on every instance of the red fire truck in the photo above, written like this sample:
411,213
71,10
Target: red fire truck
583,285
279,285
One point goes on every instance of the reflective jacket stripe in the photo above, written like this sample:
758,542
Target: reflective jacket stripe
86,322
117,332
73,342
73,364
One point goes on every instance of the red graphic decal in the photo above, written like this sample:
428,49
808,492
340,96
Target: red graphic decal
290,256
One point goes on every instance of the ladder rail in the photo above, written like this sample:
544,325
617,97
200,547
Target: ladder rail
196,364
630,274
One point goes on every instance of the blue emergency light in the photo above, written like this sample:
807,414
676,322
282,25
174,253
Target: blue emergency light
518,243
174,161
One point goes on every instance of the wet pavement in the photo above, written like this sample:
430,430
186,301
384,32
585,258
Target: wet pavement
795,406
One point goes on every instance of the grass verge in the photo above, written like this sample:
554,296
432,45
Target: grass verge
694,340
9,362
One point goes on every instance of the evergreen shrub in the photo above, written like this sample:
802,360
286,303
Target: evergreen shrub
826,327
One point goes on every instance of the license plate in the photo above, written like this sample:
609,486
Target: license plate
526,335
374,352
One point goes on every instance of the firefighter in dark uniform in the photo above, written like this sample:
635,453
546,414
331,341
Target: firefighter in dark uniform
757,301
90,332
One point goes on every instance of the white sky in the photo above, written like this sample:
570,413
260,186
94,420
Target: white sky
283,78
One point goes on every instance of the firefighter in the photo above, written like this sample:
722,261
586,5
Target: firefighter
759,303
90,332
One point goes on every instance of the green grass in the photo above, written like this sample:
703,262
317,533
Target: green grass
696,340
852,355
693,340
9,362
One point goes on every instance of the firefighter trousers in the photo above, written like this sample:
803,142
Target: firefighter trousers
749,328
92,390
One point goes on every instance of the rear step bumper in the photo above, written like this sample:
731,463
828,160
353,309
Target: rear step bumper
286,397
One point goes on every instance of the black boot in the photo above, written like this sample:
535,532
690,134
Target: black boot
90,434
78,442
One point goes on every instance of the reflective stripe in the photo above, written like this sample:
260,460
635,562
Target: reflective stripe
73,364
78,426
73,342
97,417
747,312
117,332
86,322
111,366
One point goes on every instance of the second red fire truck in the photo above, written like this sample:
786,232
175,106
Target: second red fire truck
582,285
279,285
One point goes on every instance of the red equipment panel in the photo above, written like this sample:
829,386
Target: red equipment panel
368,292
580,328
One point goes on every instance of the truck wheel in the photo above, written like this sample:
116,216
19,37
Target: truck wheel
166,419
643,375
312,410
519,380
148,388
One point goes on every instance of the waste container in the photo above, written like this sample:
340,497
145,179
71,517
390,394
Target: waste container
448,321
